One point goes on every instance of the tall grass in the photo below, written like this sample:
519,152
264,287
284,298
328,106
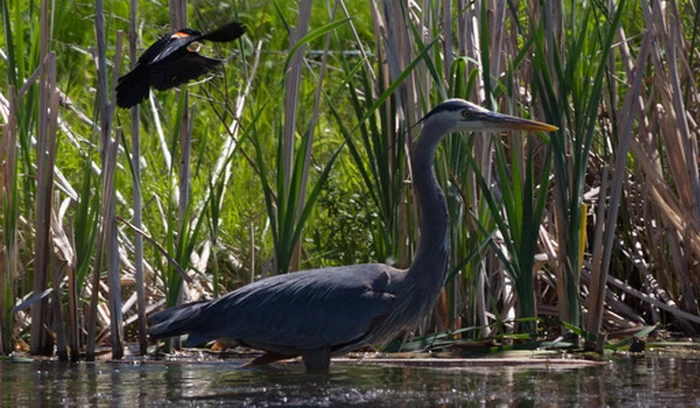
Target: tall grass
572,87
523,201
287,207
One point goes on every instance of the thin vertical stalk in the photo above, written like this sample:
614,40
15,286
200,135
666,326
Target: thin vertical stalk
112,245
466,45
597,286
483,146
497,37
8,194
40,343
136,190
398,58
105,129
107,228
102,82
356,37
51,160
448,47
94,295
12,77
600,276
291,100
310,135
73,320
251,229
185,159
178,20
178,14
58,318
216,192
690,146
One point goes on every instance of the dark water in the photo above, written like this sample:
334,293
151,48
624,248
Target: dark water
671,382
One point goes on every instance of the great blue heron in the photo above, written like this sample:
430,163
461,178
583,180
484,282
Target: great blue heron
171,61
322,312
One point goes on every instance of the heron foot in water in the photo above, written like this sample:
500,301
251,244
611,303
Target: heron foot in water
318,359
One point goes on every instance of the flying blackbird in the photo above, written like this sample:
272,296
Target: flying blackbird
171,61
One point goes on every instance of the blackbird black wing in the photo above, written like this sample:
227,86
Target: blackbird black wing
225,33
132,88
155,49
172,73
171,48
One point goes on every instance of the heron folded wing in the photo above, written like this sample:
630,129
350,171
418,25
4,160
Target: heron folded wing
304,310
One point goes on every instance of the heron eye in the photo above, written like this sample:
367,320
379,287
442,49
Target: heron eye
466,114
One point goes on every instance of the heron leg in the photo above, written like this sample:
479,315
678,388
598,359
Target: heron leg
318,359
266,358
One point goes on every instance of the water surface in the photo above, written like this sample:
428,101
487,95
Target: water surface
642,382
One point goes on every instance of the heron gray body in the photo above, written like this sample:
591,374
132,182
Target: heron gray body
322,312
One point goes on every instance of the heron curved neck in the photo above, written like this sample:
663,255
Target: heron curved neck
429,265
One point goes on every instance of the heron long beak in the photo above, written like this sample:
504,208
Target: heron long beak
500,121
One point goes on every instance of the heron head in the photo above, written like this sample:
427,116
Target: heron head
461,115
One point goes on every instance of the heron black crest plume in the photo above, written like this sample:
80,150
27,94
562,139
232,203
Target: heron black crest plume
171,61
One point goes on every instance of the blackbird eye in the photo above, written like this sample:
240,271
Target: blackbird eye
466,114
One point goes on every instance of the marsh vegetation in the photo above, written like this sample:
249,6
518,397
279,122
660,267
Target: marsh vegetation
294,156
